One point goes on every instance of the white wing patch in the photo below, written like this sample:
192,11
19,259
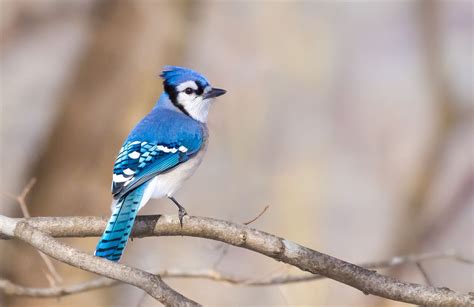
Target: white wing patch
119,178
128,172
134,155
168,150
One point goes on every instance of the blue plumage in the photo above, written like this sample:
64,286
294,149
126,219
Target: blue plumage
119,226
160,153
175,75
148,152
163,125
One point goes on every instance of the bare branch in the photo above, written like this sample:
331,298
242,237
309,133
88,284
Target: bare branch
53,277
150,283
277,248
424,273
10,288
258,216
21,199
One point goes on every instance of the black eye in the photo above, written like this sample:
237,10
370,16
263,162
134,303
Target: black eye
189,91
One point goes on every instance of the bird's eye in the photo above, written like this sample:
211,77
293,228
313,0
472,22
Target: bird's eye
189,91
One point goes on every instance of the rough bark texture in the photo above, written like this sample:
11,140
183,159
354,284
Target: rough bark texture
369,282
150,283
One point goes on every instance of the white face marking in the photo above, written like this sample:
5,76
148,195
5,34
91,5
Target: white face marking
185,85
195,105
198,108
134,155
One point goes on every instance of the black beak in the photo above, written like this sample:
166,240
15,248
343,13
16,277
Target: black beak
215,92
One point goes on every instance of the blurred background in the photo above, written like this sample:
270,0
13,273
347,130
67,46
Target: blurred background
353,120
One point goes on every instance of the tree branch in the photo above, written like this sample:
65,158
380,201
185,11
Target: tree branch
211,274
53,277
258,216
369,282
150,283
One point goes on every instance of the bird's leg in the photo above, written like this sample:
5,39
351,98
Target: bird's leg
181,211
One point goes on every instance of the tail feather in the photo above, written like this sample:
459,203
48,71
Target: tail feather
120,224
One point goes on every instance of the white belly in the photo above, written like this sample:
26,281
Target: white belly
168,183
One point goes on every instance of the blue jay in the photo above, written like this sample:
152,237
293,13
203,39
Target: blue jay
160,153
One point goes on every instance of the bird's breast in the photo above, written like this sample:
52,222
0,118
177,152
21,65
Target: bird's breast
168,183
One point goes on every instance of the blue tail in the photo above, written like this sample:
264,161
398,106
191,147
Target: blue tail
120,224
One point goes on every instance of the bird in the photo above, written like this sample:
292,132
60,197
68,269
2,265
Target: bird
159,154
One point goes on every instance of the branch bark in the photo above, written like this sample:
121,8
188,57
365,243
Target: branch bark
10,288
369,282
150,283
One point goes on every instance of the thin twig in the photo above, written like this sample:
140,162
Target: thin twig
222,254
53,277
225,249
423,273
142,300
257,217
284,295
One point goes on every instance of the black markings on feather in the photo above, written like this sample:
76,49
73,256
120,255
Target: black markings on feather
100,250
200,88
173,94
107,254
110,240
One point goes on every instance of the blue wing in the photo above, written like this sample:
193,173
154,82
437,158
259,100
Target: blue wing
140,161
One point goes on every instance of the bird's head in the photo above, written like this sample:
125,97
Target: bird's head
189,91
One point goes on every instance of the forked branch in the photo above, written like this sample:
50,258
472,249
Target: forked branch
368,281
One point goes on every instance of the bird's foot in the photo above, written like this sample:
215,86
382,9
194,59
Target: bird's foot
181,213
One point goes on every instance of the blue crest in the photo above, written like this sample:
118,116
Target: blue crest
175,75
